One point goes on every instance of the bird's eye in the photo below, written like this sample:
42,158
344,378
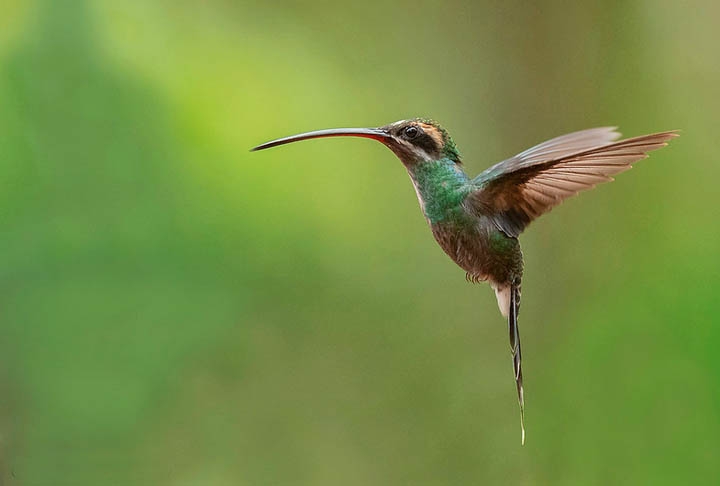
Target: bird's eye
411,132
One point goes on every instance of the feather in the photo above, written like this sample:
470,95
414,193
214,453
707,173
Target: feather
516,352
521,188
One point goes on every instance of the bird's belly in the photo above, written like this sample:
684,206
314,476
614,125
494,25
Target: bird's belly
481,250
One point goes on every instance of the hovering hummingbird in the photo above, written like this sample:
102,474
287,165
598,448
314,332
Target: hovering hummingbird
477,221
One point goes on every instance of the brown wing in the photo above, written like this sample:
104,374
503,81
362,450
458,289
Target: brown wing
518,190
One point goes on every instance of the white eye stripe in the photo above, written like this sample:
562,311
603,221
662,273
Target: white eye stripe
418,151
424,154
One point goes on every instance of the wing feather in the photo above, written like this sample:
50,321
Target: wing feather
518,190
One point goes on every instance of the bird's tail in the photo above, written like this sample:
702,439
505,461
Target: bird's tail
515,350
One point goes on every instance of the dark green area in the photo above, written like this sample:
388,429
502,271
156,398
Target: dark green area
177,310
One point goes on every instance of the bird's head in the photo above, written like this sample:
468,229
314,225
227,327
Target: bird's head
414,141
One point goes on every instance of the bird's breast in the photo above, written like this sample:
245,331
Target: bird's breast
480,249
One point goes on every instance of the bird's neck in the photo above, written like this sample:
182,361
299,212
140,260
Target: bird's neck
441,186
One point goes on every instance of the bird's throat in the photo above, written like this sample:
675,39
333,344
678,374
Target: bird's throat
441,186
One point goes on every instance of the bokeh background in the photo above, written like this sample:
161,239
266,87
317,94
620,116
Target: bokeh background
178,311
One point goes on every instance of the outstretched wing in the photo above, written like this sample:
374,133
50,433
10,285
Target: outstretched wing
518,190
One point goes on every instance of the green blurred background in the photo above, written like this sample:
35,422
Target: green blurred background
178,311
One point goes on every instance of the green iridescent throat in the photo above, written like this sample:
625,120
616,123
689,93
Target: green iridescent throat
441,186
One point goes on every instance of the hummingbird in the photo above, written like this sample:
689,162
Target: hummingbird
477,221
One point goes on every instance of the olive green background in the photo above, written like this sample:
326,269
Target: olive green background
175,310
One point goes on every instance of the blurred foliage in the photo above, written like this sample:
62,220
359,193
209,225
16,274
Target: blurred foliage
177,310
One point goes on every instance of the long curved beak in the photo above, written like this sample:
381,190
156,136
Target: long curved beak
374,133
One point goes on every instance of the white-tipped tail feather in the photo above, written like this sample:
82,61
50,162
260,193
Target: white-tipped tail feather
503,299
